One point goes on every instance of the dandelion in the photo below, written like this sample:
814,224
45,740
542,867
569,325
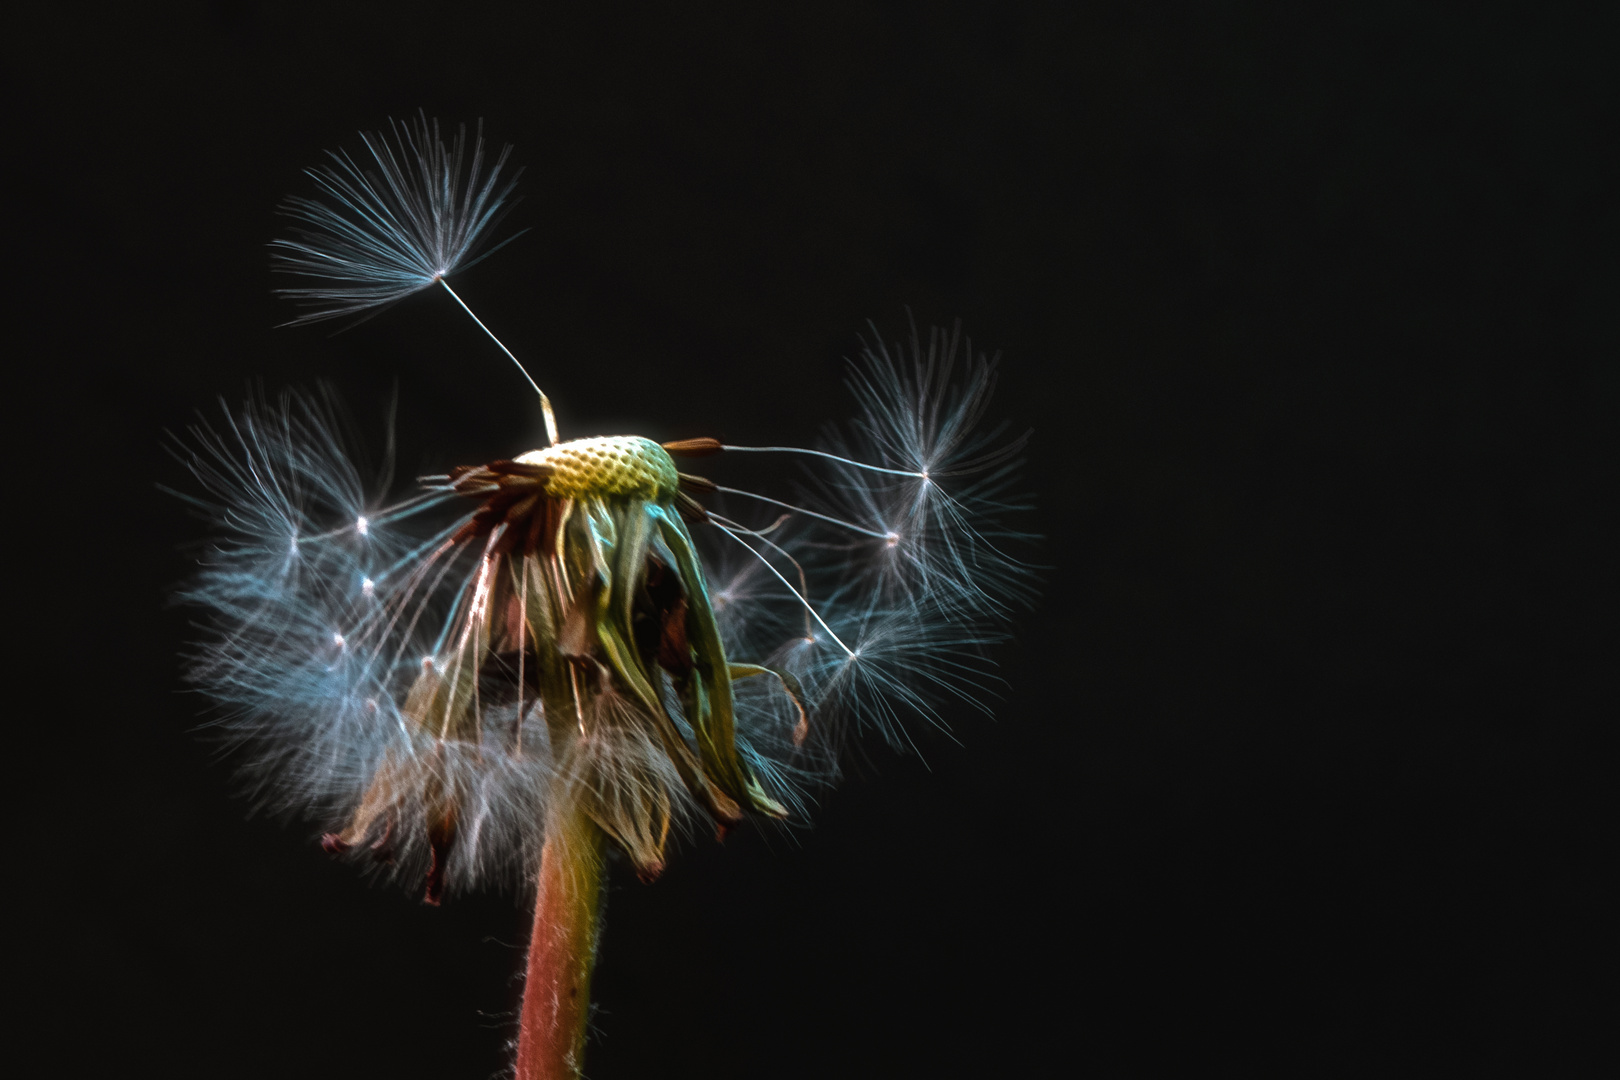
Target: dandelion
531,662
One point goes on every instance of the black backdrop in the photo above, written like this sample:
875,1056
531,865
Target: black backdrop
1314,318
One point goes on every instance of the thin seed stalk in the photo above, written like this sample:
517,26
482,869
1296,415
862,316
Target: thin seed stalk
562,952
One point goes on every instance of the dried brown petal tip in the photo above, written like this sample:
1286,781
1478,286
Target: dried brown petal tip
333,844
434,887
697,483
690,508
694,447
532,470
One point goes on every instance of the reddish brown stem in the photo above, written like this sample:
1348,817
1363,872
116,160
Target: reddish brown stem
557,994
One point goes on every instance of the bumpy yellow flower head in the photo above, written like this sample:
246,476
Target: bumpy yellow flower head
607,465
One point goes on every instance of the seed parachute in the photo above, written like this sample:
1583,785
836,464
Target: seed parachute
590,646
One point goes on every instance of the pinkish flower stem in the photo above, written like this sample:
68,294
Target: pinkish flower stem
557,994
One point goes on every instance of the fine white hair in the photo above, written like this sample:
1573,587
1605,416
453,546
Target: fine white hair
905,545
415,213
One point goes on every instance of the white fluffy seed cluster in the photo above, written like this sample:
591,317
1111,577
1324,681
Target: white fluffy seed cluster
607,465
322,605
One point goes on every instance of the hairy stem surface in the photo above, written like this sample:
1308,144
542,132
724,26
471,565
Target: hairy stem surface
557,993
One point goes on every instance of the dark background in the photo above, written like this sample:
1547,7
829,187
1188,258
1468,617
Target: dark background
1314,317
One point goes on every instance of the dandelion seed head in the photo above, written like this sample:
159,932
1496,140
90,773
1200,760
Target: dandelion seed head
434,716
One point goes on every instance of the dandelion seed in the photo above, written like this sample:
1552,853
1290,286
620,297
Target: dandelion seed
416,213
574,650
